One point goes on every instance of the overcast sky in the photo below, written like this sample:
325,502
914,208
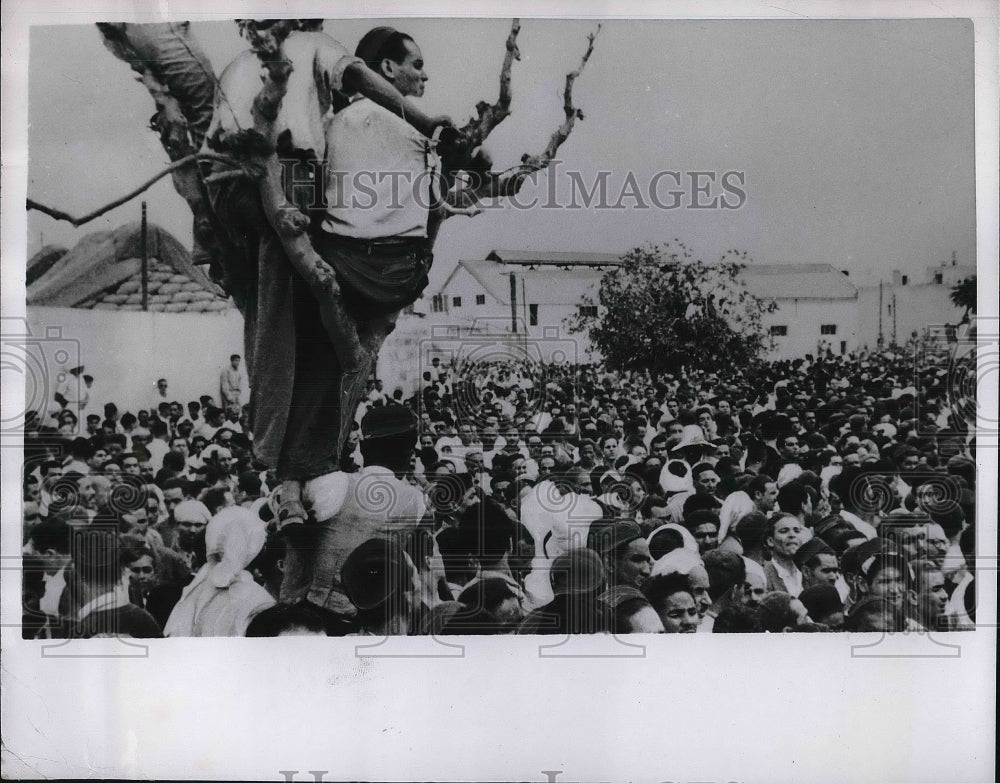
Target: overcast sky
854,138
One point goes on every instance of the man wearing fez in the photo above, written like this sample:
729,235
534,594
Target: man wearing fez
350,508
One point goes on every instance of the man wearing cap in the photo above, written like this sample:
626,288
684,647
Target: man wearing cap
350,508
160,396
192,518
817,562
624,552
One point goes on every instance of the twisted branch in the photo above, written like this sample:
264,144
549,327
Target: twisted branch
76,222
491,115
506,184
572,113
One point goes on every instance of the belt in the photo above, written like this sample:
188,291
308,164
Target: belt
387,242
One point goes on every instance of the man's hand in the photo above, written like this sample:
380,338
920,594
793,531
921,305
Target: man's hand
453,147
457,154
428,125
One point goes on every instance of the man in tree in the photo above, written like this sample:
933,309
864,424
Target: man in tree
290,331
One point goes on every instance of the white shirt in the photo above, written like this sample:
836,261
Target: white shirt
318,65
792,578
54,586
157,449
379,174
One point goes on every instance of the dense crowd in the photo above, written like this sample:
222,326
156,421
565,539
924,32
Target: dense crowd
823,494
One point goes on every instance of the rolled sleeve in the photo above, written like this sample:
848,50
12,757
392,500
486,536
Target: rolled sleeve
332,60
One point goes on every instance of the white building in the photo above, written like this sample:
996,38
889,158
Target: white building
816,305
534,294
527,296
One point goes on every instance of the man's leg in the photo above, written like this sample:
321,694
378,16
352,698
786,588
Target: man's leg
353,382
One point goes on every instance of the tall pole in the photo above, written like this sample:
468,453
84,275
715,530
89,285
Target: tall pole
513,304
894,318
524,311
880,337
145,263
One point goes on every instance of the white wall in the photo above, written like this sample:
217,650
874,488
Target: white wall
917,307
803,317
127,352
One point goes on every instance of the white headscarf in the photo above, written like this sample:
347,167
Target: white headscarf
679,561
234,537
689,541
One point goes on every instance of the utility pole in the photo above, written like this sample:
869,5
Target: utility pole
894,311
513,304
881,337
145,263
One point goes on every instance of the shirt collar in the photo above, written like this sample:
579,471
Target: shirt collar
783,572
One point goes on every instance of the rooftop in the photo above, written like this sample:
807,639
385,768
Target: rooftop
553,258
798,281
103,271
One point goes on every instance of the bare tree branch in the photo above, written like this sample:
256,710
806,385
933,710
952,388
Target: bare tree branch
506,184
572,113
491,115
76,222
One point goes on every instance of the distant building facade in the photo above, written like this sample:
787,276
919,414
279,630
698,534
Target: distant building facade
529,297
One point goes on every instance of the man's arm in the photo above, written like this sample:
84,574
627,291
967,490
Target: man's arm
360,78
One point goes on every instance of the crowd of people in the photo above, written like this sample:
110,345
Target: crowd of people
830,493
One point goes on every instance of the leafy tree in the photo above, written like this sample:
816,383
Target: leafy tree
662,308
964,295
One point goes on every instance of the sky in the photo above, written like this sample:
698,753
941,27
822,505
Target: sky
853,139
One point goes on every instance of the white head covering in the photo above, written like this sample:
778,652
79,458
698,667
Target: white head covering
555,519
233,539
693,435
192,511
689,542
679,561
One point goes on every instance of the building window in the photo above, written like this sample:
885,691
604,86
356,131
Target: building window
904,279
828,329
588,311
456,301
480,299
532,315
779,330
938,277
437,303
